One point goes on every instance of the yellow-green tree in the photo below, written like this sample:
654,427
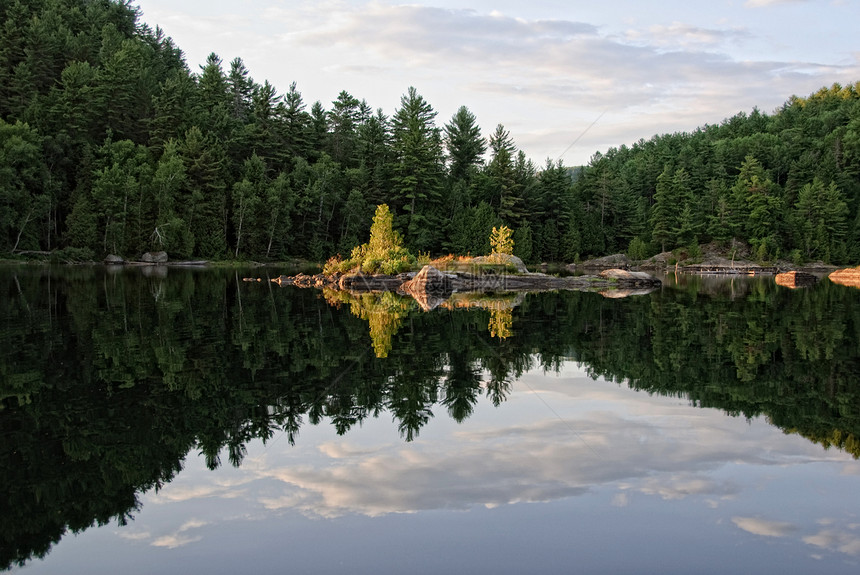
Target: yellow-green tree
383,238
383,253
502,241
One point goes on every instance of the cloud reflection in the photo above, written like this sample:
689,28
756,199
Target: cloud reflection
669,455
596,438
180,537
758,526
836,540
174,493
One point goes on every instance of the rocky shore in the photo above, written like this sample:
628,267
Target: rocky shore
439,283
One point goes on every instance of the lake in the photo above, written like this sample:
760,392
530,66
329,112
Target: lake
167,420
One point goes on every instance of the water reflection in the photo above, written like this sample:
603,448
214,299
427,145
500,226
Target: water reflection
383,311
110,380
601,457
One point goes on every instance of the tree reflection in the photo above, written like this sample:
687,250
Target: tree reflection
383,311
107,381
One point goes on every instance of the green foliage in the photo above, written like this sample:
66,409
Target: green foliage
694,253
417,179
821,222
638,249
72,255
523,243
24,198
383,253
471,228
464,144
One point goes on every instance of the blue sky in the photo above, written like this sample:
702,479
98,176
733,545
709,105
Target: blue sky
599,74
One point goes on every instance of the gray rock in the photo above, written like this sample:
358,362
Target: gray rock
154,257
114,260
504,260
626,275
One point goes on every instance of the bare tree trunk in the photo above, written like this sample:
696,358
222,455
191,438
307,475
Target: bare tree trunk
239,231
21,231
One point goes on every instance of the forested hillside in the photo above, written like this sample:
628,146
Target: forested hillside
111,143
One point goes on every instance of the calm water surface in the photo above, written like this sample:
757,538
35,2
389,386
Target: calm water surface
187,421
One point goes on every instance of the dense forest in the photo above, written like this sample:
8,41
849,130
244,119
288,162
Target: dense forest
110,143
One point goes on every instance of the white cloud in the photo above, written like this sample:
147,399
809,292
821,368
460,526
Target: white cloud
680,35
758,526
621,500
835,540
765,3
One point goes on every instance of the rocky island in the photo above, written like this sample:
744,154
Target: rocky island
431,286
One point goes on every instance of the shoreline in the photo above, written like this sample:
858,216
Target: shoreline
434,282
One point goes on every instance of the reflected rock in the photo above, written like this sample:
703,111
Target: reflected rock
478,300
794,280
848,277
363,283
622,293
427,301
158,272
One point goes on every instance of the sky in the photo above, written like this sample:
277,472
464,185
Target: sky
565,78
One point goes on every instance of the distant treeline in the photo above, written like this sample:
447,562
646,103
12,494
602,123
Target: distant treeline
109,143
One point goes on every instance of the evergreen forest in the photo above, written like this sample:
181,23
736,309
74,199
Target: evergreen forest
111,144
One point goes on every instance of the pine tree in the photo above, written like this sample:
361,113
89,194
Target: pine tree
262,130
664,211
374,155
417,149
760,207
687,225
821,222
294,125
172,110
344,119
505,190
464,144
240,87
205,210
